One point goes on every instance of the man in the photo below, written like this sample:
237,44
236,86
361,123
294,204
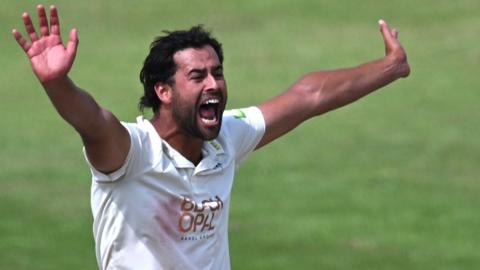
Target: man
161,187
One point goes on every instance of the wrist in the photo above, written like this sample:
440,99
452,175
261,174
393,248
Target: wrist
62,82
397,64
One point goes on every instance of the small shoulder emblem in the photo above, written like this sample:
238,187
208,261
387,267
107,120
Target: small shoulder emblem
239,114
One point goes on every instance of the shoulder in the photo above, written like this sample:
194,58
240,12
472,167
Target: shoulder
145,141
140,129
251,116
242,129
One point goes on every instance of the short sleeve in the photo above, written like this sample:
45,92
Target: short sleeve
122,171
244,128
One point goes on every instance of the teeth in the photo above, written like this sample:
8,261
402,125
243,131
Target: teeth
212,101
208,121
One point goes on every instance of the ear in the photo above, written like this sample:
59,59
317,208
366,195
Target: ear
164,92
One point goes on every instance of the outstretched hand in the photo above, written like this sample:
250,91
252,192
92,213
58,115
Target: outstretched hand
49,58
393,49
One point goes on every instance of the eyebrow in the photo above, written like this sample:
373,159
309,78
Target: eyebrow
197,70
203,70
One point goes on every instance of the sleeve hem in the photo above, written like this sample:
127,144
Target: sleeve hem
99,176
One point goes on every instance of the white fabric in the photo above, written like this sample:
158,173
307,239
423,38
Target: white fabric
159,211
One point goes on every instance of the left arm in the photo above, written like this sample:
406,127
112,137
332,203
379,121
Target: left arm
322,91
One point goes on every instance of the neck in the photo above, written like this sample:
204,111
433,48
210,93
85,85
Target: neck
190,147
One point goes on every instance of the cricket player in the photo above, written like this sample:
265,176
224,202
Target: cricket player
161,186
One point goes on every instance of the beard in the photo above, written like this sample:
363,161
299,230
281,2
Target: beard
186,116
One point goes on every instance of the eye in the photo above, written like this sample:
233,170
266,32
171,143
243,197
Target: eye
218,74
197,77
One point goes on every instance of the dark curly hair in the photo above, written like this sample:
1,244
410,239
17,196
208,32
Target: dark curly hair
159,65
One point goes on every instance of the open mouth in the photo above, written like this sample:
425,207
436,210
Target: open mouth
208,111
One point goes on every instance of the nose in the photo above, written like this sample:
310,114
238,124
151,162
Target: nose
211,83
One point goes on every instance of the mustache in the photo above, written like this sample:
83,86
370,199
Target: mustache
209,95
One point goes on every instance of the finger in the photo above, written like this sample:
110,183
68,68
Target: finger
72,42
385,30
54,22
42,17
395,33
21,41
29,27
388,36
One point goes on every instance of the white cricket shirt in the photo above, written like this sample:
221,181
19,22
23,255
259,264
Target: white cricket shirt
159,211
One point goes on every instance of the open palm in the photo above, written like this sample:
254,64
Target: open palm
49,58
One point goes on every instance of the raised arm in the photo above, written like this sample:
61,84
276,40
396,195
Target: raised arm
106,141
321,91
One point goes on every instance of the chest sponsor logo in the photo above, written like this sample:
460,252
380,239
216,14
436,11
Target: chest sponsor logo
199,217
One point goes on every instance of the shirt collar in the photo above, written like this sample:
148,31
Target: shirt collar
211,162
212,152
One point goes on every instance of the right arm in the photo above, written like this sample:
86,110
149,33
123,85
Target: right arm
106,140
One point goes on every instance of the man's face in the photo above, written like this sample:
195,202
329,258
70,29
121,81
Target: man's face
199,92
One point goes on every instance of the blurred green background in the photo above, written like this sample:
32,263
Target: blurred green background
390,182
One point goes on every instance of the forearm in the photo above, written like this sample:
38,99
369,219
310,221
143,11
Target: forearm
322,91
328,90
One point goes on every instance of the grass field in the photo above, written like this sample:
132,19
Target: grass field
390,182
